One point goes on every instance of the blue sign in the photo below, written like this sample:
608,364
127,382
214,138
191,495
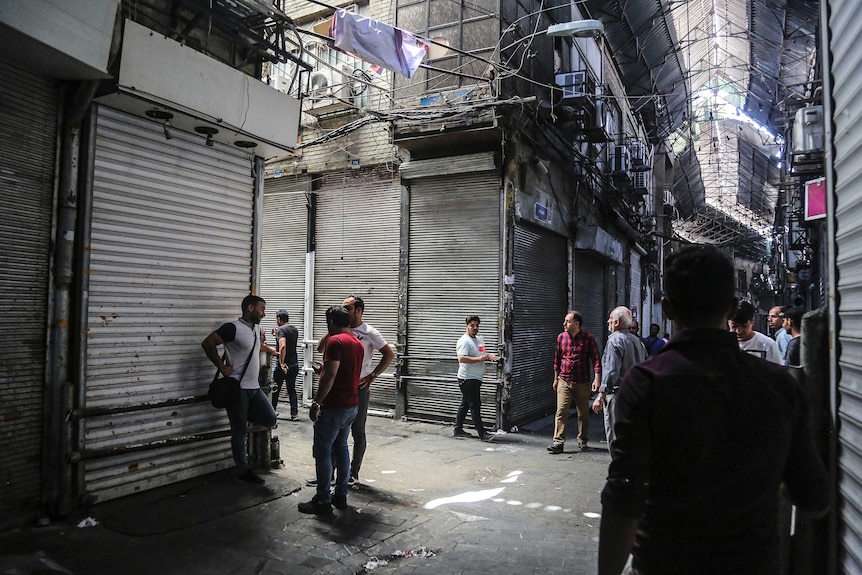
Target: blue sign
541,212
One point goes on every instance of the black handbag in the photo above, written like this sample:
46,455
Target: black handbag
224,391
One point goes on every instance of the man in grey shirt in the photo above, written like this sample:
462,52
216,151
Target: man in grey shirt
622,351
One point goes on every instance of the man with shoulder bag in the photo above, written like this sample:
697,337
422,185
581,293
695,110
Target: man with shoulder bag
241,342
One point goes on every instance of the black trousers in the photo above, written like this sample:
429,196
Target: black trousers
470,402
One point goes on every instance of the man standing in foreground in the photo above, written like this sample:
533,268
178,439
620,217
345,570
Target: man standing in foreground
681,495
472,356
333,411
622,352
242,360
287,363
371,340
750,341
576,362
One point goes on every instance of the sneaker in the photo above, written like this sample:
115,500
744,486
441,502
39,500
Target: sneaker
313,507
294,418
461,433
556,448
311,482
582,445
339,501
251,477
488,437
352,480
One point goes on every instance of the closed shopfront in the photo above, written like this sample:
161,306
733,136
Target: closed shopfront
283,256
171,258
845,25
454,270
635,275
28,134
590,295
540,296
358,230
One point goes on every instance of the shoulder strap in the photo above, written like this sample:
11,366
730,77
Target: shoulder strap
248,359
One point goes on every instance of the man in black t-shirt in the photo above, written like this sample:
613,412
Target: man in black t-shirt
286,366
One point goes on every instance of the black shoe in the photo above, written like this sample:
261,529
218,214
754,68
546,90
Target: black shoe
352,480
461,433
251,477
339,501
556,448
488,437
313,507
294,418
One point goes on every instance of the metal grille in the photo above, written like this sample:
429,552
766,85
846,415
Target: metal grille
541,272
358,230
170,261
454,271
283,255
590,296
28,132
845,27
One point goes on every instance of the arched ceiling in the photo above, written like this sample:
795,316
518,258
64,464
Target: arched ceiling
702,74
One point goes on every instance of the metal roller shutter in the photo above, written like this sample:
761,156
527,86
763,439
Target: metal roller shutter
635,296
28,133
454,271
590,297
357,244
283,255
541,293
171,251
845,27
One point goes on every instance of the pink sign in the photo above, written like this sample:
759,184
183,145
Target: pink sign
815,199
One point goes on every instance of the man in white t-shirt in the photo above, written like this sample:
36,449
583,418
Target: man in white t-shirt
371,341
750,341
472,356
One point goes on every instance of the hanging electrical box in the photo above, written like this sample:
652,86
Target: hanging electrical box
808,142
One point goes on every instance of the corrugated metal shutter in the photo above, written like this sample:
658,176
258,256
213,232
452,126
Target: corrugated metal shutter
358,230
283,255
846,26
28,133
589,296
635,297
454,271
541,278
170,261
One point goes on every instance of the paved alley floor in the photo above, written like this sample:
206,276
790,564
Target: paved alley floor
426,503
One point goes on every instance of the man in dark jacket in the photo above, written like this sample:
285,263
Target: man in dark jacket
693,485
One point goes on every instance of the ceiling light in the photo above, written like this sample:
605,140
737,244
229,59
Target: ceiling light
209,132
246,144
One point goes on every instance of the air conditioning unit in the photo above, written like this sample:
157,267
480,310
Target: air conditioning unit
808,149
640,182
280,83
326,85
638,153
595,124
619,159
577,87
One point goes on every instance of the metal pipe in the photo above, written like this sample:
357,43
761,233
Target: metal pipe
55,474
80,414
82,287
308,312
90,454
257,224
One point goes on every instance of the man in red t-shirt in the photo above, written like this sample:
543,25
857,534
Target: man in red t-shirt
333,411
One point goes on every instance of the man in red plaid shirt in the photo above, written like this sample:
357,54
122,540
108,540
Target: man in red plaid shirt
577,372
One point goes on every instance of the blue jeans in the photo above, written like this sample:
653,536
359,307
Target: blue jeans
251,402
330,442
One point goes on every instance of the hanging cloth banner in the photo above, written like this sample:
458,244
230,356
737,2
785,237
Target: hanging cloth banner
378,43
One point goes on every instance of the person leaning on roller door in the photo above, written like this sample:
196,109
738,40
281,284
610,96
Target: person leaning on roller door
240,339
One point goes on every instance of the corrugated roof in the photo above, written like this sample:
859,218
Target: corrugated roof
755,55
